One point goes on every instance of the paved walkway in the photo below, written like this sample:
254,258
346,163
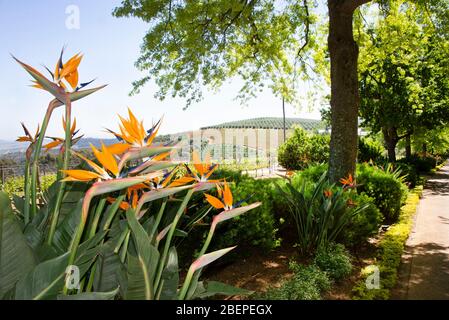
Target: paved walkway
425,269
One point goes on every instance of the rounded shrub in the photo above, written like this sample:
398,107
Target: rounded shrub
319,149
387,190
364,224
257,227
293,153
307,283
334,260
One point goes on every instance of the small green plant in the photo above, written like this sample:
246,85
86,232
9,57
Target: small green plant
307,283
335,260
320,213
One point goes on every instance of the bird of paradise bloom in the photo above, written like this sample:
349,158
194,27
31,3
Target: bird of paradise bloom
60,141
29,138
109,169
132,194
200,173
133,134
225,194
66,75
348,182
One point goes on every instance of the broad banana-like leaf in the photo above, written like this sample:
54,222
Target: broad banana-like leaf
170,276
18,203
141,268
107,265
91,296
226,215
16,256
46,280
206,289
67,228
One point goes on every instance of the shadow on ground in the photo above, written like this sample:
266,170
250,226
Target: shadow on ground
430,276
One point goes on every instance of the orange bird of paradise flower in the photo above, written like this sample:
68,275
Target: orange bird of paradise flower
132,194
60,141
328,193
226,201
200,173
107,171
348,182
29,138
133,134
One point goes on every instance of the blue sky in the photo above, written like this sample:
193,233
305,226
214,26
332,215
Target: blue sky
35,31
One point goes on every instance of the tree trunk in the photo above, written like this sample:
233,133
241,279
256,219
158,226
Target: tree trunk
344,89
408,146
391,140
424,149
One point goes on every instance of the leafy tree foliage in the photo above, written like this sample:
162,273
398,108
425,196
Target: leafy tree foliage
403,69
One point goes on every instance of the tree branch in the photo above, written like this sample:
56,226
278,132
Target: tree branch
351,5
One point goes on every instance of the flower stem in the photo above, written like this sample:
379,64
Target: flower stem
79,231
178,215
68,137
26,189
157,221
37,152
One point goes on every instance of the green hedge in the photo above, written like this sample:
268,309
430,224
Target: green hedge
390,253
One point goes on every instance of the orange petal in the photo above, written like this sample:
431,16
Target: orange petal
73,79
118,148
227,195
80,175
92,164
52,144
214,202
197,163
181,181
106,158
24,139
161,156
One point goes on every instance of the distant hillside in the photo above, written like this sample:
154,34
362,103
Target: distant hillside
7,147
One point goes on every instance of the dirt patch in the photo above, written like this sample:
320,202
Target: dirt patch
263,270
258,272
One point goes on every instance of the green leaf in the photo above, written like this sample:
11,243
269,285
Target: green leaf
16,256
206,289
170,276
46,280
91,296
108,263
66,229
141,268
